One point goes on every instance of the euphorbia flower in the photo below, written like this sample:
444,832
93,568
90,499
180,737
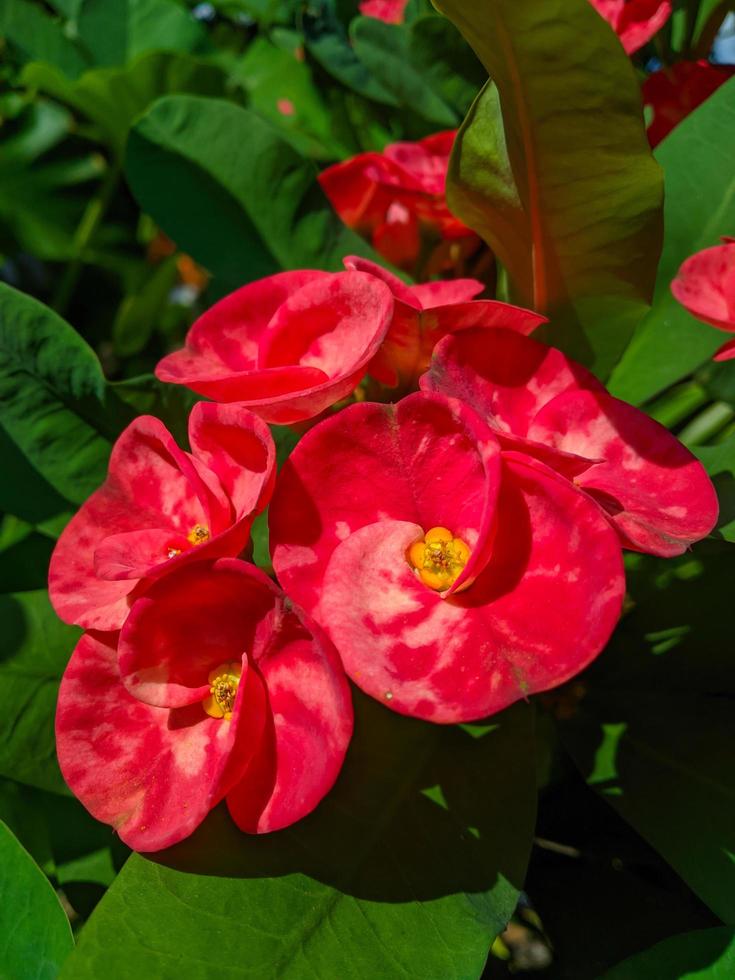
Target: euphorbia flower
389,11
651,489
287,346
453,577
425,313
160,508
677,90
395,196
634,21
216,687
705,286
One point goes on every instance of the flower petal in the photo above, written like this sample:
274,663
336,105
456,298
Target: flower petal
705,285
504,376
311,708
189,623
152,773
655,492
426,460
544,606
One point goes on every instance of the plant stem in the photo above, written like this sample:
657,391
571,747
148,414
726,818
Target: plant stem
707,424
90,221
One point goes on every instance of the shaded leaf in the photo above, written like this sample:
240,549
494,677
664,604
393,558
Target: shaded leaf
409,867
35,937
231,193
707,954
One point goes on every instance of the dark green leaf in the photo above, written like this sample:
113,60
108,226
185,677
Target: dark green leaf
700,207
117,33
113,97
35,937
719,461
36,648
39,37
442,56
708,954
409,868
386,51
654,731
552,167
54,403
231,193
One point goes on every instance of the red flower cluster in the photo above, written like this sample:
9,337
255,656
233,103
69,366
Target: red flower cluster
396,200
677,90
453,552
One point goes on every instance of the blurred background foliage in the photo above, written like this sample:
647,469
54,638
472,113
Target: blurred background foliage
154,155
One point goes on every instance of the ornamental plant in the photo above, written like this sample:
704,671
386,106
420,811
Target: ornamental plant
366,511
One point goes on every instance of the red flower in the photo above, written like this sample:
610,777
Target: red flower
676,91
215,688
634,21
705,286
389,11
287,346
159,508
454,577
394,196
425,313
651,489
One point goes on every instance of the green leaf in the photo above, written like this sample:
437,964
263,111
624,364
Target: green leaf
231,193
113,97
552,167
327,42
26,494
142,308
118,33
707,954
444,58
40,37
410,867
54,403
35,936
36,648
700,207
386,51
653,733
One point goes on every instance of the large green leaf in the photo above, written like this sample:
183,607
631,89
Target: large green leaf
719,461
552,167
55,405
654,731
386,51
36,648
700,207
707,954
231,192
117,33
35,936
39,37
113,97
409,868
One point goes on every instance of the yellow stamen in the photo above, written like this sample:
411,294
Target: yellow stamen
198,534
439,558
223,684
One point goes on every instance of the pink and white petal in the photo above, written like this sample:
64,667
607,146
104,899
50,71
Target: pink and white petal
230,331
137,554
655,493
446,292
153,774
311,707
145,488
362,188
427,460
400,290
505,377
335,325
705,286
237,446
188,623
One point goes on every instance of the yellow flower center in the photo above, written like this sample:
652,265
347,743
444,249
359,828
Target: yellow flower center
223,684
439,558
198,534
